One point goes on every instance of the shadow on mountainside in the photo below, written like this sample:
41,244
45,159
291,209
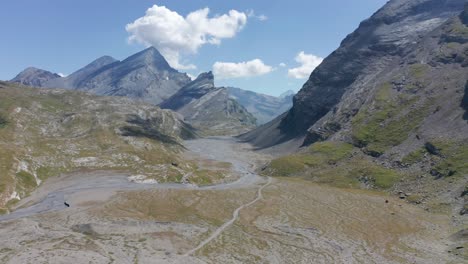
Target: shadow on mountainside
146,128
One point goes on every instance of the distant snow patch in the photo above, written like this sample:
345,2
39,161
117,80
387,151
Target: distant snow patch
14,195
141,179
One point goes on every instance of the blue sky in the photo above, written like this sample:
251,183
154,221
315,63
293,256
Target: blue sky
62,36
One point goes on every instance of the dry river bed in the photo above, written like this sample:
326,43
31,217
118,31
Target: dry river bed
251,220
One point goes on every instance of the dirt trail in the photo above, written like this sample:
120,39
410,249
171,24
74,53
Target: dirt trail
235,216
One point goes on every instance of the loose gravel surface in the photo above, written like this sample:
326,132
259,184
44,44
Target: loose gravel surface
249,220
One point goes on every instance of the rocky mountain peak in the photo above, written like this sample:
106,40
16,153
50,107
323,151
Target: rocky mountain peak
102,61
206,75
32,76
204,81
149,57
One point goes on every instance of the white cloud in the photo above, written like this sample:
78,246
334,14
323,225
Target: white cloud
251,13
192,77
308,64
282,64
174,35
62,75
228,70
262,17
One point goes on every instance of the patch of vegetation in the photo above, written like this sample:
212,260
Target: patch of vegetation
414,156
381,177
460,29
46,172
389,124
146,128
318,154
26,180
418,71
414,198
288,165
12,202
332,163
206,177
455,159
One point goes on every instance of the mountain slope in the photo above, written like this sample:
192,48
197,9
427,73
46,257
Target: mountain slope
263,107
78,78
34,77
145,75
210,109
202,85
46,132
377,44
402,125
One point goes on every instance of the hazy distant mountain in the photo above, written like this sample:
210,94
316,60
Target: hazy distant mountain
145,75
264,107
209,108
287,93
34,77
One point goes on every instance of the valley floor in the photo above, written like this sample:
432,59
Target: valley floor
249,220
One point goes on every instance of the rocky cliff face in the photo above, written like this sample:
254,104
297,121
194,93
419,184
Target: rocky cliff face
263,107
379,43
34,77
145,75
210,109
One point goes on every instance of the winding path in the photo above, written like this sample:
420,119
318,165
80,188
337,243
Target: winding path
235,215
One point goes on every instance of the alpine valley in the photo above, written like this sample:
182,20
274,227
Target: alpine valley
133,161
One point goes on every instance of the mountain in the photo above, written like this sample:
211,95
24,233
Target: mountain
34,77
210,109
387,110
288,93
199,87
263,107
354,71
77,79
46,132
145,75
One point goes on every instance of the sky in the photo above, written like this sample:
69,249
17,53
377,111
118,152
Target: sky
264,46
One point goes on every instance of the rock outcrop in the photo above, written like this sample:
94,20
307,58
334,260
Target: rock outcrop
210,109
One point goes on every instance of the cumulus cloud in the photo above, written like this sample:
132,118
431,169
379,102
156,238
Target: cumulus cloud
229,70
308,63
282,64
174,35
192,77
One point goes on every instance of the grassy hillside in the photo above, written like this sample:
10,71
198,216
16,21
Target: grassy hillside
44,133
